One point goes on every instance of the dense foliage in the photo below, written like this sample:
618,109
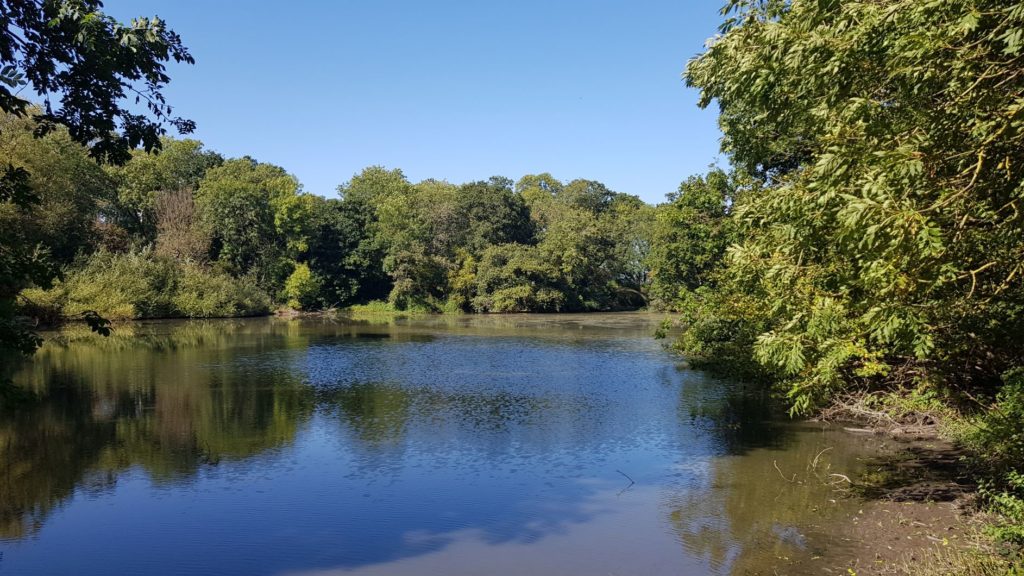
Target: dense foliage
188,233
85,67
886,242
880,241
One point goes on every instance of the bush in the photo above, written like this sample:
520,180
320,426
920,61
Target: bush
121,286
203,293
1001,440
1002,436
1008,503
45,306
138,285
384,308
516,278
303,288
521,298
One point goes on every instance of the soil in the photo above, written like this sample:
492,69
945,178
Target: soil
918,509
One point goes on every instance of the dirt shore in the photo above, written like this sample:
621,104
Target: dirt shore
919,514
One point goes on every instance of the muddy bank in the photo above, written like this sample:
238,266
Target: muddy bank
917,511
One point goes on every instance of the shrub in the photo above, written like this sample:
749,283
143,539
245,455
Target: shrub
139,285
516,278
45,306
1001,441
303,288
204,293
121,286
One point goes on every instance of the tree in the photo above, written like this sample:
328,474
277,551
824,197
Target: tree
180,165
69,49
85,66
888,243
539,192
343,253
629,222
691,233
421,228
181,234
70,190
515,278
534,187
373,185
493,214
245,204
304,288
589,195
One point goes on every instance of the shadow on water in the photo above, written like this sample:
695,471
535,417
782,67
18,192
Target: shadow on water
740,417
357,445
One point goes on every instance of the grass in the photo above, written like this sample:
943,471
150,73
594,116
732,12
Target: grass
382,308
974,560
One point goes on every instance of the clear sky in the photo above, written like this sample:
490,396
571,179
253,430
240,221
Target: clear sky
455,90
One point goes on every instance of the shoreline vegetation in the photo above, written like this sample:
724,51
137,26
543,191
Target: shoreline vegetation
861,256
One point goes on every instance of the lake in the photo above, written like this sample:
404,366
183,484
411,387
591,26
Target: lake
521,444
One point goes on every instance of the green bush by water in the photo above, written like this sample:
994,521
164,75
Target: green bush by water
139,285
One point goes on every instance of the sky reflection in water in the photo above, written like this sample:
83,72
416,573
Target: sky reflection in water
442,445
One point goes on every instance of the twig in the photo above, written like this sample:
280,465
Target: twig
776,464
630,485
814,464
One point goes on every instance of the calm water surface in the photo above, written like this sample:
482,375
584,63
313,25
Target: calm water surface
470,445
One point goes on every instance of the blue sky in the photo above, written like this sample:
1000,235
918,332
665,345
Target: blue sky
455,90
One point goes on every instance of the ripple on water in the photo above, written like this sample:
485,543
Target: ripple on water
567,444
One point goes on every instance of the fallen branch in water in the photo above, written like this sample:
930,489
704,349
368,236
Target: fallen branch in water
814,464
631,482
776,464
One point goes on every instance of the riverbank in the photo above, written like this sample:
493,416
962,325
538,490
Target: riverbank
923,511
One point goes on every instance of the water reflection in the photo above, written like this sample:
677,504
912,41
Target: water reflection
363,445
769,510
163,403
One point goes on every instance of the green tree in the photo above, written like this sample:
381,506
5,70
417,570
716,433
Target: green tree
539,192
421,228
589,195
256,215
691,233
374,184
342,252
71,191
888,243
598,240
493,214
534,187
516,278
629,222
361,200
179,165
84,66
303,289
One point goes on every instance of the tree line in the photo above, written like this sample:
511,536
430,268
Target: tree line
187,232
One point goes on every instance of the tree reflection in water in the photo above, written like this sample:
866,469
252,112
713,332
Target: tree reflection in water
159,403
767,501
355,445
